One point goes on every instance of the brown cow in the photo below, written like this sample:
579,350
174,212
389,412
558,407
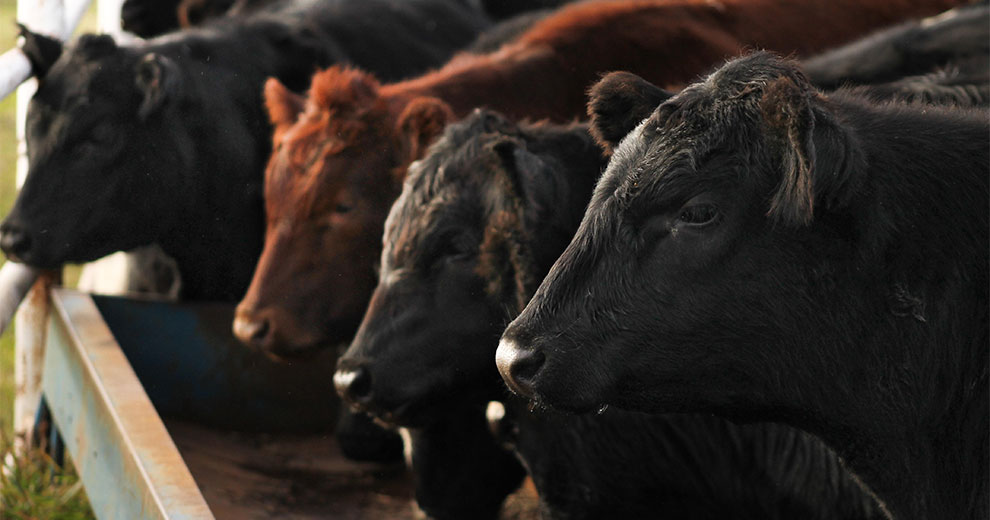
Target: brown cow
340,157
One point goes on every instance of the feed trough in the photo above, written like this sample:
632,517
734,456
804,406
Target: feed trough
166,416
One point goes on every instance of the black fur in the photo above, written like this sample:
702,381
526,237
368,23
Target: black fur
42,51
480,220
149,18
758,250
964,83
909,49
618,103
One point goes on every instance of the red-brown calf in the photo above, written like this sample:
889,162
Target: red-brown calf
340,156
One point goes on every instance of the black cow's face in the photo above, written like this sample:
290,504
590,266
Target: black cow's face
429,328
682,288
479,221
96,133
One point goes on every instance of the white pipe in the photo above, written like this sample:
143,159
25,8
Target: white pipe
16,68
108,16
74,12
15,280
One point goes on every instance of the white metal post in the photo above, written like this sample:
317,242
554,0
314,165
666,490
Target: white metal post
108,16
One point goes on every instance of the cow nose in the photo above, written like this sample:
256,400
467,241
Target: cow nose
14,241
353,385
518,367
254,331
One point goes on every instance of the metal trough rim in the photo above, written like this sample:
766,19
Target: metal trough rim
118,442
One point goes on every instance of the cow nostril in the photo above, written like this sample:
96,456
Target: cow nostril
518,367
527,365
353,385
261,330
252,332
14,241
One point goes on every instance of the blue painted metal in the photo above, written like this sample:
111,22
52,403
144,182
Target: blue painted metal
193,368
128,463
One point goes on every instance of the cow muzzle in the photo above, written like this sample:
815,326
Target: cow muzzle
15,241
518,366
354,385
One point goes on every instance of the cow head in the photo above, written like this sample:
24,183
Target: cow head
705,253
96,131
460,258
337,166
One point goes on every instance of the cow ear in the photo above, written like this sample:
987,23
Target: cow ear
284,106
531,178
618,103
422,121
40,50
820,156
157,77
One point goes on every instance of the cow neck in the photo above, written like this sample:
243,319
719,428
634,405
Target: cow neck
915,457
217,234
909,412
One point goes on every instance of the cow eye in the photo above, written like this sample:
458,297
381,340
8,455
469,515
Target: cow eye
698,214
451,250
343,208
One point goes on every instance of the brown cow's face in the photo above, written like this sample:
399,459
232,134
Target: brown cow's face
332,177
323,237
684,288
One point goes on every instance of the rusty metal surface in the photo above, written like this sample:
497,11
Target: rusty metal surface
29,351
128,463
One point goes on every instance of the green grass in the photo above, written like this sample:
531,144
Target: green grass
31,486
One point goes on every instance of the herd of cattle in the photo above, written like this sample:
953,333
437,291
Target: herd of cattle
761,283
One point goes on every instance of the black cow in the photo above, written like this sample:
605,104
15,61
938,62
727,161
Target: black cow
147,18
150,18
942,60
166,141
965,83
758,250
479,222
909,49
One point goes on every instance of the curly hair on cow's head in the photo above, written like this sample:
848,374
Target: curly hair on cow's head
809,156
343,89
818,156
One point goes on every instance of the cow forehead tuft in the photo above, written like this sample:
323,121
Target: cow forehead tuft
694,123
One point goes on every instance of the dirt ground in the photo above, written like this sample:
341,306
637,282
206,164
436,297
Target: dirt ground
260,476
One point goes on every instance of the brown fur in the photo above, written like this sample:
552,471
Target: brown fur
354,138
283,105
